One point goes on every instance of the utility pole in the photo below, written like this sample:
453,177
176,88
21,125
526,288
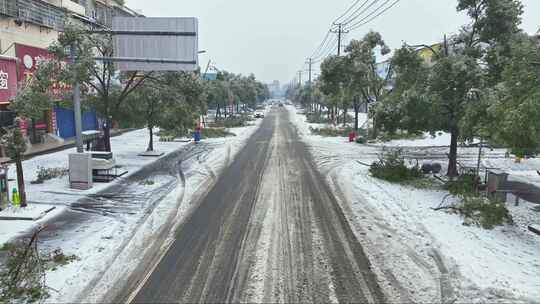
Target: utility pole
310,63
299,78
77,106
340,33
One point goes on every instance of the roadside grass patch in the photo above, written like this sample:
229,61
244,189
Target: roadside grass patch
44,174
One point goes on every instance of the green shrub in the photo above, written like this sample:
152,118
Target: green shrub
175,133
331,132
317,118
475,208
147,182
58,257
45,174
215,132
463,185
233,121
386,136
7,247
360,140
483,212
391,167
525,152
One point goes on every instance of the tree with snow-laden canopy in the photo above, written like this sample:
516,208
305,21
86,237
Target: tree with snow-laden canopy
459,90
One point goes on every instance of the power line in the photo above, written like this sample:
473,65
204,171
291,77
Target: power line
324,44
321,48
328,50
362,22
371,13
348,10
357,13
343,27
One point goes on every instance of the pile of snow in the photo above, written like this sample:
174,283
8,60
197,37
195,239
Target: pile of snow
422,255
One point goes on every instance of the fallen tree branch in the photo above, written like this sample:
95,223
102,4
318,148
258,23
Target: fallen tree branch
363,164
446,207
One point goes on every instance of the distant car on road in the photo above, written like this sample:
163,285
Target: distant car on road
259,114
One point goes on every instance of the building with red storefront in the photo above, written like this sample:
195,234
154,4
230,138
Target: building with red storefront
27,28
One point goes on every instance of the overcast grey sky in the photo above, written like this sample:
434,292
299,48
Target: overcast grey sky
272,39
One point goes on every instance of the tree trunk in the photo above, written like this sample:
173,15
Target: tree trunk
452,157
107,136
151,142
20,182
375,128
34,132
356,110
344,115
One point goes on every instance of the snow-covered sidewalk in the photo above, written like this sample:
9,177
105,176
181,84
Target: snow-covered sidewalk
422,255
111,227
56,192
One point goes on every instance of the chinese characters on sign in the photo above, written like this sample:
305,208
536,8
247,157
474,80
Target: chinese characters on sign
4,77
8,79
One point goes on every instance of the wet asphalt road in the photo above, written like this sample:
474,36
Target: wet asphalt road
270,230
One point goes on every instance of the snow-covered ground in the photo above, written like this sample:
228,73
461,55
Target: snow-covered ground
422,255
117,224
56,192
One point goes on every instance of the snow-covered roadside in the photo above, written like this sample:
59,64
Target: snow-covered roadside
423,255
110,245
56,192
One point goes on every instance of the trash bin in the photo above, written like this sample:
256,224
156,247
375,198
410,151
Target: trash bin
351,136
4,188
496,181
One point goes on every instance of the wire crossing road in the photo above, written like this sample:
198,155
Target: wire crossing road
270,230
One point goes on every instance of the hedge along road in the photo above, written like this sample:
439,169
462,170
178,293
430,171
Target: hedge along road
270,230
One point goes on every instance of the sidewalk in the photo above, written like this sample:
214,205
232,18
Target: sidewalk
41,149
56,192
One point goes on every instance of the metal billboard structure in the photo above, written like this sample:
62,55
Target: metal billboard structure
141,44
155,44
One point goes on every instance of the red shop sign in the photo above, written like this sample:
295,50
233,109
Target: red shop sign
29,58
8,79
